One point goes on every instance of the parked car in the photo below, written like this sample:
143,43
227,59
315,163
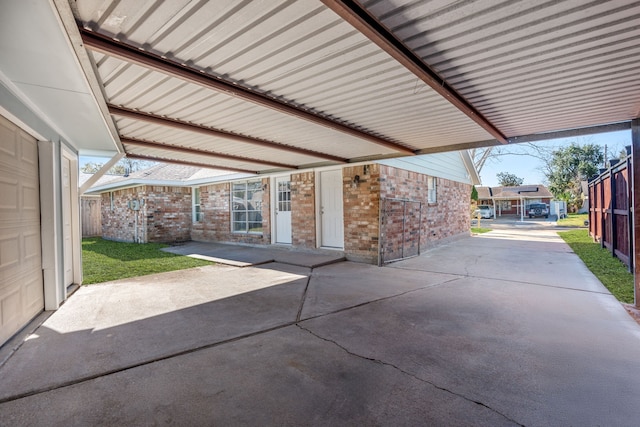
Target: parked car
485,211
538,209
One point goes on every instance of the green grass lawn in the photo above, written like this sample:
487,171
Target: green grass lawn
480,230
611,272
104,260
574,220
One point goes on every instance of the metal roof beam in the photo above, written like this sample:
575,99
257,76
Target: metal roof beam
571,133
184,162
193,127
112,47
213,154
567,133
374,30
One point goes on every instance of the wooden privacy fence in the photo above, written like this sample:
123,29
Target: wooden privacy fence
610,215
91,216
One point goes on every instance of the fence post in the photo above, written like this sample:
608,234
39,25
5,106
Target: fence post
632,261
612,215
603,209
635,162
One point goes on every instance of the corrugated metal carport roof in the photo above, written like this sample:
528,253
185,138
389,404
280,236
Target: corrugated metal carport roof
258,86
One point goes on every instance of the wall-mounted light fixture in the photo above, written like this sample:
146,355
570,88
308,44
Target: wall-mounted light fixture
365,170
355,181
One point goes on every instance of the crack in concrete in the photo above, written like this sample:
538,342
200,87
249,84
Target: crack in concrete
304,296
205,346
340,310
382,362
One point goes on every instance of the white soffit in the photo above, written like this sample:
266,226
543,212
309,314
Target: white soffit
40,64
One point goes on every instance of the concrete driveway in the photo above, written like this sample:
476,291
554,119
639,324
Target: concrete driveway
507,328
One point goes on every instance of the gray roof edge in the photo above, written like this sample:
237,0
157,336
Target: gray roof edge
136,182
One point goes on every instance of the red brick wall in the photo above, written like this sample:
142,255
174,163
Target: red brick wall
446,218
449,216
168,213
216,223
361,212
119,223
303,210
164,216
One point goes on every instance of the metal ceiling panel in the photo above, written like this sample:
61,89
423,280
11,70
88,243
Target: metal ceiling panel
513,68
143,131
194,158
529,67
299,51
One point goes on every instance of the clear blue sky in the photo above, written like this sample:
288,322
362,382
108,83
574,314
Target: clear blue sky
528,167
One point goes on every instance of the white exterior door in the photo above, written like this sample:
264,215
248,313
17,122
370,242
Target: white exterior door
21,283
331,212
67,228
283,210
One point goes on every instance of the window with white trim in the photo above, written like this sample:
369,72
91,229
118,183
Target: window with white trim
246,207
112,203
432,189
197,209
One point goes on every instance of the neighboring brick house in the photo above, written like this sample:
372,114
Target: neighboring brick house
508,200
153,205
373,212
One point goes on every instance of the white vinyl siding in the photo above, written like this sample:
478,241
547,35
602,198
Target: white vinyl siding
442,165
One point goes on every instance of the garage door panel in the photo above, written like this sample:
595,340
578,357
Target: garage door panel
8,196
31,248
9,253
30,200
11,314
33,296
21,283
8,141
28,152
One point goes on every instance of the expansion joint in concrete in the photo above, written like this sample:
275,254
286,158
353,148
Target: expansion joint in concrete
391,365
304,296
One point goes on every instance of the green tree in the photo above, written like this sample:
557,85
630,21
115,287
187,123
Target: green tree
474,193
121,168
506,179
567,166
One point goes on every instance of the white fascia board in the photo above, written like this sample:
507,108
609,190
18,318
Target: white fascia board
121,185
217,179
130,183
104,169
471,167
66,21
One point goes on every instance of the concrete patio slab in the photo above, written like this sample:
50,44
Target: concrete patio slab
245,256
345,285
286,377
530,256
115,325
442,339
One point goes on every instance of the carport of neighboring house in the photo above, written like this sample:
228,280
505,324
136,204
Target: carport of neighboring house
267,88
512,200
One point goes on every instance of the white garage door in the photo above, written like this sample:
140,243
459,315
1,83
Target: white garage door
21,286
